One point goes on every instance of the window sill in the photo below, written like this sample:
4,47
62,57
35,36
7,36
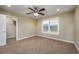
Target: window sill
53,33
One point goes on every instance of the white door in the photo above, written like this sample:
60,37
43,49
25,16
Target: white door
2,30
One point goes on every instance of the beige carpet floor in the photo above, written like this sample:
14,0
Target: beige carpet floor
37,45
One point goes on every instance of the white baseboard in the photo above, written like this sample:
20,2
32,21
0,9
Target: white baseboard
57,39
76,47
25,37
45,37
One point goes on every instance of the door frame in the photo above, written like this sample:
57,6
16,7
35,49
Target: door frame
4,41
17,29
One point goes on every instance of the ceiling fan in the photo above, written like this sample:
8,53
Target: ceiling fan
36,11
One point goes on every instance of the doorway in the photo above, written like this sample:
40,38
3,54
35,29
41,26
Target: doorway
11,29
8,28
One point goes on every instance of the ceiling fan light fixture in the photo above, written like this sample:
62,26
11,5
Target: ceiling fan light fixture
36,14
58,9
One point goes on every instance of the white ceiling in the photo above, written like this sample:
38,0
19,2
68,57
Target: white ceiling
50,10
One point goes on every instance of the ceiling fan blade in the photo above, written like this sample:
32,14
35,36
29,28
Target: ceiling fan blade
31,9
30,13
41,13
42,9
35,7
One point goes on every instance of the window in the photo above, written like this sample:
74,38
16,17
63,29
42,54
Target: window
46,26
51,26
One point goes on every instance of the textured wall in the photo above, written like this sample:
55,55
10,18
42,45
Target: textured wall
26,27
77,26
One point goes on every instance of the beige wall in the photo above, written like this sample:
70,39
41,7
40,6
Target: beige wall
77,27
66,28
10,28
26,27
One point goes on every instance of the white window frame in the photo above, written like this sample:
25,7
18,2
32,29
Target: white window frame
49,32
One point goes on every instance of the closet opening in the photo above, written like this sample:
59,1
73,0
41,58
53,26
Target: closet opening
11,29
